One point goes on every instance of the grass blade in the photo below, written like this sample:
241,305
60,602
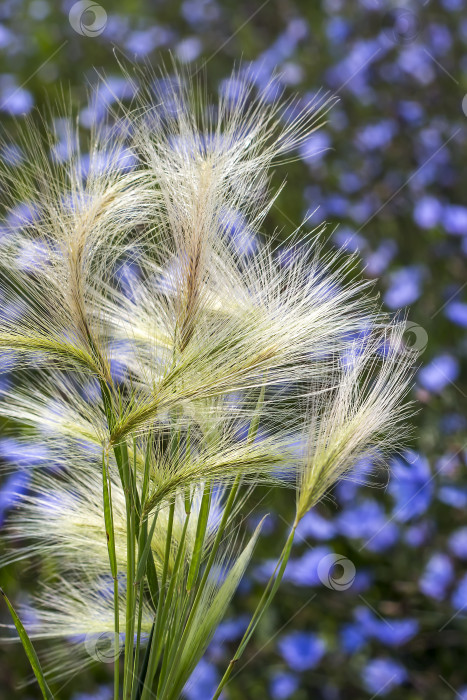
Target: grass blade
200,536
30,651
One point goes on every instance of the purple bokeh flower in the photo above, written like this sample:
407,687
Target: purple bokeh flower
456,311
283,685
382,675
437,374
302,650
437,576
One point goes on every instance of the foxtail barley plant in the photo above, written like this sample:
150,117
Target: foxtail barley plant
171,358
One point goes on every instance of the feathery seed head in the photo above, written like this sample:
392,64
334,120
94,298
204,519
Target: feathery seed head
163,367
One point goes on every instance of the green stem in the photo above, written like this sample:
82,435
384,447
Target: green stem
153,654
130,584
168,604
263,605
110,534
138,640
200,537
215,548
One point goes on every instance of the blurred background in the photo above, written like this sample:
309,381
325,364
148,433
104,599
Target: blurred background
374,602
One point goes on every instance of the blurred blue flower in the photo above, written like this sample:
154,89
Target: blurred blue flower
114,89
388,631
232,89
32,256
127,276
337,29
313,147
336,205
363,581
11,490
203,682
367,520
352,637
347,239
23,452
232,629
120,353
411,486
352,71
347,489
427,212
238,230
15,100
459,597
382,675
453,496
6,37
292,73
439,38
457,543
418,534
452,5
437,374
302,650
200,11
142,42
22,215
376,136
282,685
417,63
456,312
411,111
304,571
448,464
297,29
315,526
455,219
452,423
363,208
350,182
437,576
404,287
189,49
378,260
12,154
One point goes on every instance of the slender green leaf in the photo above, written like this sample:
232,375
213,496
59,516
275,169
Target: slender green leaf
144,665
145,541
108,518
147,466
110,535
199,539
30,651
209,615
158,632
263,605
